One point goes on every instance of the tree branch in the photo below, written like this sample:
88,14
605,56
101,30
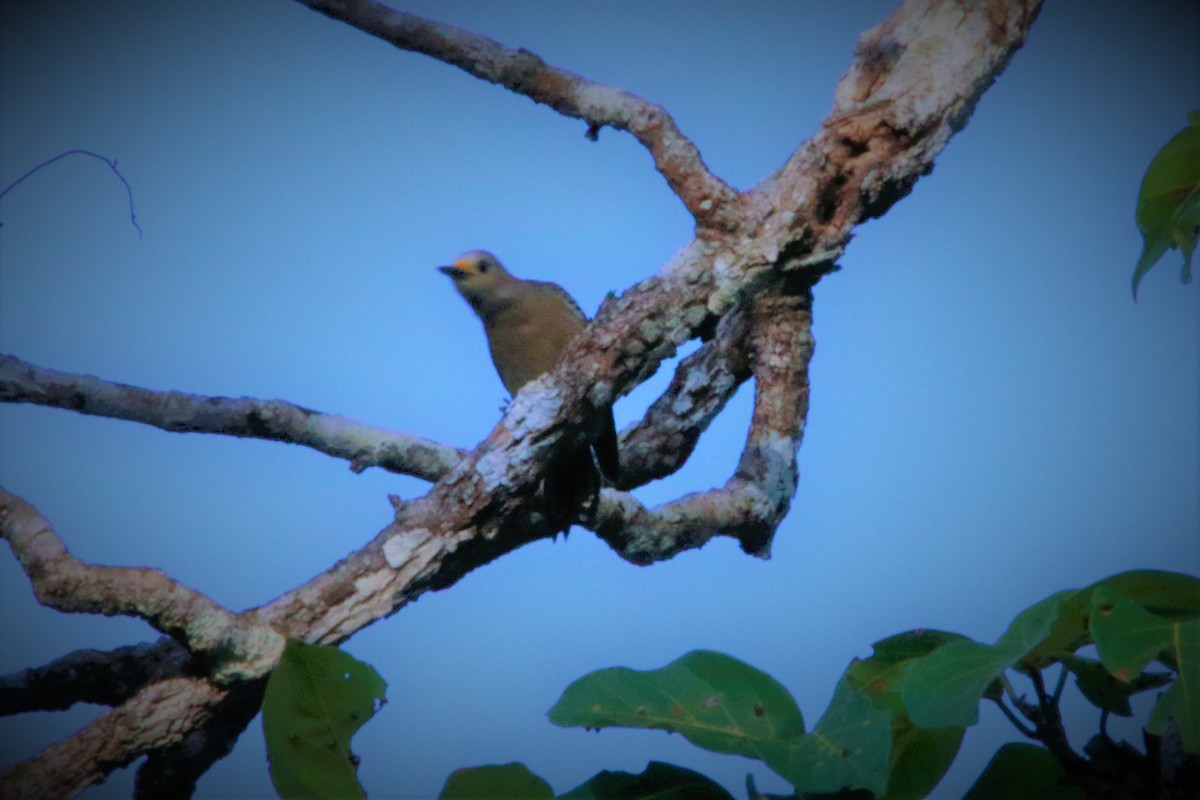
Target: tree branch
1047,724
761,252
913,84
487,504
159,715
703,383
710,201
363,445
755,499
1008,712
655,447
239,648
111,679
91,676
171,772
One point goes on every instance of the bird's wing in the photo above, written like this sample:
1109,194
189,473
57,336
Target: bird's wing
562,293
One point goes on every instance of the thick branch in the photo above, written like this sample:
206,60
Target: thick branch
644,535
364,446
781,335
171,772
703,383
709,200
159,715
487,506
63,582
91,676
185,723
913,84
756,498
112,678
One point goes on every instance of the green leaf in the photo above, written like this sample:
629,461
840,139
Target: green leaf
495,782
919,758
1022,771
1169,594
315,700
943,689
1032,625
1068,632
1128,638
716,701
657,782
1181,703
1104,691
1168,204
848,749
876,675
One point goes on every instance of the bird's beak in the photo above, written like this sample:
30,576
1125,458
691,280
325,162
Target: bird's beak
453,272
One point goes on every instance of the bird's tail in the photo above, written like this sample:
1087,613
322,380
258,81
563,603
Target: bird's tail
572,488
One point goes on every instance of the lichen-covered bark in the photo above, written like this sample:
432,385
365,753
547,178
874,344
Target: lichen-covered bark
362,445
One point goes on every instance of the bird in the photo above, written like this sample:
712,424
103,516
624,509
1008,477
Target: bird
528,325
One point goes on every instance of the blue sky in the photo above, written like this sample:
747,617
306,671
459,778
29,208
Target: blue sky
993,419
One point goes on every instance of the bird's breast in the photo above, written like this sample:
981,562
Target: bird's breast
524,346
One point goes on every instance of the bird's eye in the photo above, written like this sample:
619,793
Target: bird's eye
483,265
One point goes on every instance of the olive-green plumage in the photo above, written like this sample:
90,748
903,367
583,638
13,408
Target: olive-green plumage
528,325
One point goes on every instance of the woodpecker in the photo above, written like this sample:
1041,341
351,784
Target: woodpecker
528,326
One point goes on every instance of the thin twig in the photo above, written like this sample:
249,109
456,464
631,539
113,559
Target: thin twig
1025,731
1039,686
1058,687
1027,709
112,164
1048,724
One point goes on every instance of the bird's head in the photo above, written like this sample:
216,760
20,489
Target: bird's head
477,274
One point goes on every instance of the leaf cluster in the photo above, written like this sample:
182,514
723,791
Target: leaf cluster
897,718
890,732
